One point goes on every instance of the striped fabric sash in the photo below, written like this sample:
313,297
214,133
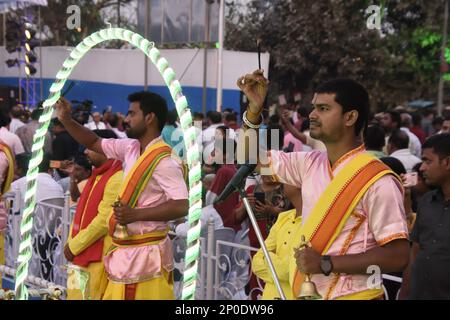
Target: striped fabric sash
138,178
335,205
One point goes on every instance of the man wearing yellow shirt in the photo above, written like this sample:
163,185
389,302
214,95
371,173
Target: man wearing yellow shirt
279,243
88,240
6,177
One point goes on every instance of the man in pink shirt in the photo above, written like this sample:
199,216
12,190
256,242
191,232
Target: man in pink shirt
144,270
373,238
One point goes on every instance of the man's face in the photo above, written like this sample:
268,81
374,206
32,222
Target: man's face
56,129
96,117
435,170
326,119
386,122
446,127
135,125
96,159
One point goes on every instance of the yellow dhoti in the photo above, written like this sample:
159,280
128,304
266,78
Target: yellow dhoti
160,288
96,285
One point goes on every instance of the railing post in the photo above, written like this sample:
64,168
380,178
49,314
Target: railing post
209,265
15,232
65,224
201,283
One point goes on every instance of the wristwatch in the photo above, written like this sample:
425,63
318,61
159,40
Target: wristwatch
326,265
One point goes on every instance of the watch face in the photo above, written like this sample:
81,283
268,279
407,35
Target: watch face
326,266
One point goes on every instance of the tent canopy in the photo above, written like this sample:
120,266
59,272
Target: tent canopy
419,104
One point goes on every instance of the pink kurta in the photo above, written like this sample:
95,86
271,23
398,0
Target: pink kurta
136,264
378,218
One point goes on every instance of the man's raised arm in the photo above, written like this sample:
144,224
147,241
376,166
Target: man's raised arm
81,134
255,87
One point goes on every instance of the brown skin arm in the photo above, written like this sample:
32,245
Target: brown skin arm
169,210
404,289
290,127
68,254
81,134
392,257
255,87
74,191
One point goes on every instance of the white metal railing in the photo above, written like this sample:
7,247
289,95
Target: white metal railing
52,218
224,265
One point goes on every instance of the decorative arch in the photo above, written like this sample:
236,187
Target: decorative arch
189,134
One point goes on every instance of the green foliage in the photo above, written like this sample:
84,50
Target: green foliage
312,41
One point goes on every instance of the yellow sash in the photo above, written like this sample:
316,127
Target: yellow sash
10,174
337,202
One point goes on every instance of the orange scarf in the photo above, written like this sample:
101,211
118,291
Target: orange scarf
87,209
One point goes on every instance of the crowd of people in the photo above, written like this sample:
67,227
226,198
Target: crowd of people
363,189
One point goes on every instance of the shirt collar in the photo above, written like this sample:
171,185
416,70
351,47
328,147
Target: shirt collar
157,139
401,152
292,215
348,155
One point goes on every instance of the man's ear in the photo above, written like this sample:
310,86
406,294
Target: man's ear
446,163
149,118
350,118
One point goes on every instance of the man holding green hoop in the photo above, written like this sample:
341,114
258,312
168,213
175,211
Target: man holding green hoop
140,262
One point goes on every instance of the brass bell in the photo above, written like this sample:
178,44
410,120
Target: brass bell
121,230
308,290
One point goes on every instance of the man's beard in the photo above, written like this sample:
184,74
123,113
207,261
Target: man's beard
134,133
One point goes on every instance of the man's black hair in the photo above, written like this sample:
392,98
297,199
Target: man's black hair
374,138
440,143
22,160
351,95
215,117
82,161
395,164
37,112
151,102
231,117
395,117
44,166
114,120
198,115
4,119
303,112
438,121
172,118
399,139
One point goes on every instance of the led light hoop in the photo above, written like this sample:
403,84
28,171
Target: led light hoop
189,133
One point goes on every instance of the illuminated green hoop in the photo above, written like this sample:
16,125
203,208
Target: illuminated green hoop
189,134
